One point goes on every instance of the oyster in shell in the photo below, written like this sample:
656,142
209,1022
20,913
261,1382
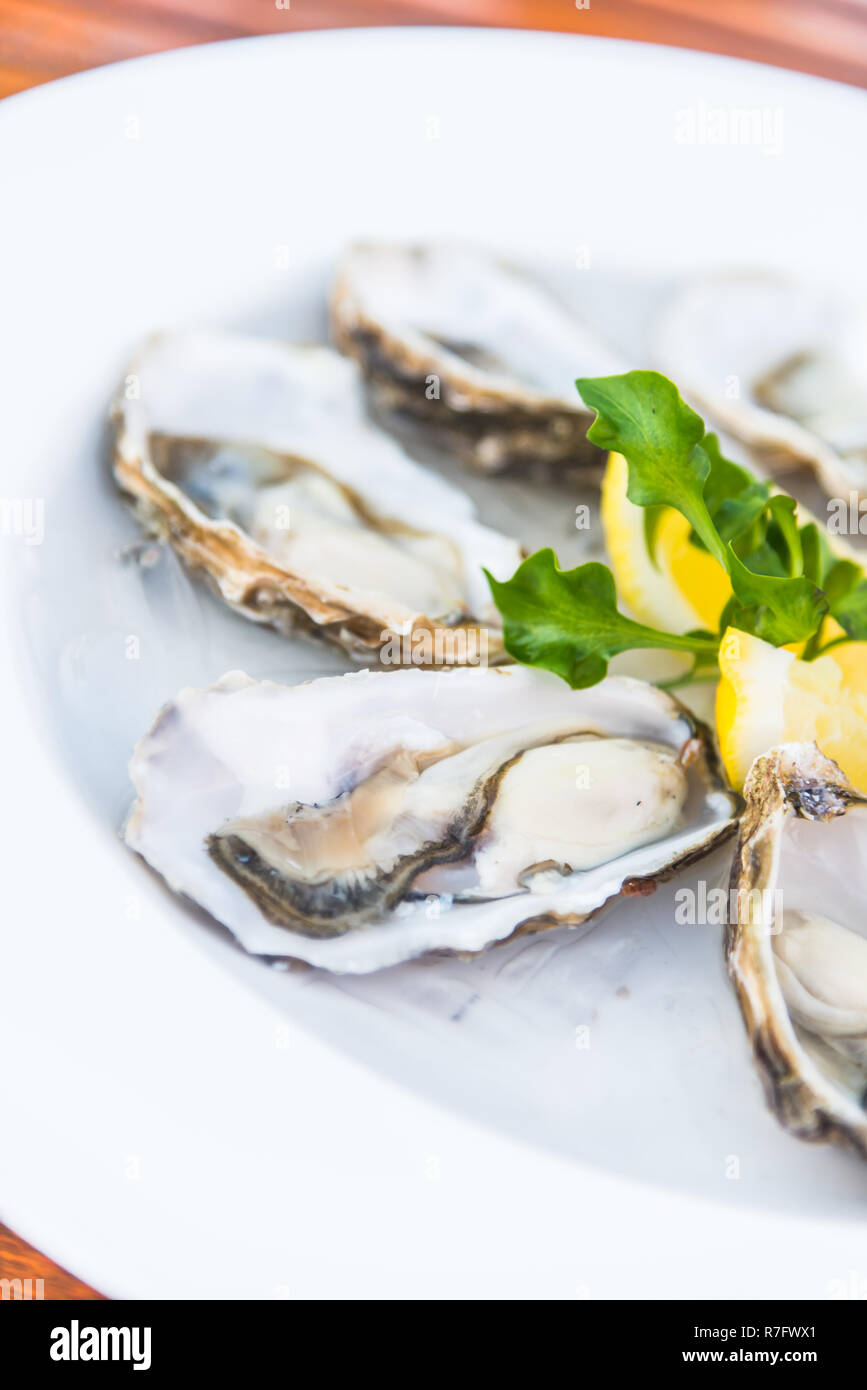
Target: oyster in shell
256,461
361,820
780,367
796,942
449,336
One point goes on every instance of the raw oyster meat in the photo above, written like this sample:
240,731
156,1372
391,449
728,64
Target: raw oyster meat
256,460
797,941
361,820
453,338
781,367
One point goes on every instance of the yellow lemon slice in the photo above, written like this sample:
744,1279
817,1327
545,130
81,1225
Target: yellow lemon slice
768,696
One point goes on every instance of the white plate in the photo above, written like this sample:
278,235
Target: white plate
179,1119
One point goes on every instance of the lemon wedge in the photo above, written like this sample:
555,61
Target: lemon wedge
768,696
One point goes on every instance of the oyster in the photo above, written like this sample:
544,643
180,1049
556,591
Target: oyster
361,820
783,369
255,459
451,337
796,942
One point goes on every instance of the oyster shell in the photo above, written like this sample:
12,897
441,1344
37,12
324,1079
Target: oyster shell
782,368
361,820
453,338
796,942
255,459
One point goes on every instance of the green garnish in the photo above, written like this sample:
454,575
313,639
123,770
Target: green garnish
567,620
784,577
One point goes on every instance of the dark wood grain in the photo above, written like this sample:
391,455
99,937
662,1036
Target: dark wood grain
44,39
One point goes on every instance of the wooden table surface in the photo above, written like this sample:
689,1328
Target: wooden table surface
44,39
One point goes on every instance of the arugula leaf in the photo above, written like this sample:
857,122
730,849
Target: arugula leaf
840,582
843,582
784,578
765,559
726,480
735,516
641,416
850,607
566,621
734,498
652,518
782,513
778,610
671,460
816,552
